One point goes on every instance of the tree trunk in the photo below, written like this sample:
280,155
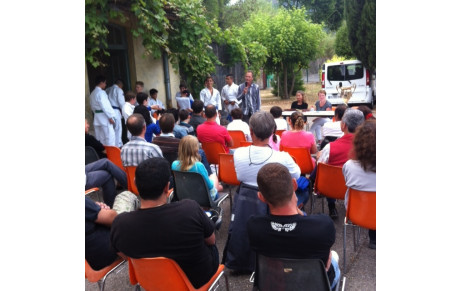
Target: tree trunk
285,71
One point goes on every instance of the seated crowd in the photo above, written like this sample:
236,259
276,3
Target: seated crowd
265,218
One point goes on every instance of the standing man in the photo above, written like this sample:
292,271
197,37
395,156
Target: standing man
230,94
117,100
250,95
104,116
211,96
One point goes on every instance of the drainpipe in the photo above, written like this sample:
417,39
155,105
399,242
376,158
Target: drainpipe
167,82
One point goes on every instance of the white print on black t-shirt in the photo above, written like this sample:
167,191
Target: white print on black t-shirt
287,227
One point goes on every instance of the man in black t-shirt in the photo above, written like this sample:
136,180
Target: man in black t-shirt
179,230
286,232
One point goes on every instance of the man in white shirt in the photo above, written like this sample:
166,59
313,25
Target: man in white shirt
238,124
104,116
230,94
117,100
128,109
211,96
154,103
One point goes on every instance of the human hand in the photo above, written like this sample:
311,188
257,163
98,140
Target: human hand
102,205
233,102
245,91
156,107
111,121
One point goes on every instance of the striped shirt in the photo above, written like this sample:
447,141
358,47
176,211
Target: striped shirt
137,150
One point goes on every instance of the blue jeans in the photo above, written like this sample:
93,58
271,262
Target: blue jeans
316,127
335,265
101,174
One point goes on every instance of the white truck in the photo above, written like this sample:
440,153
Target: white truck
347,82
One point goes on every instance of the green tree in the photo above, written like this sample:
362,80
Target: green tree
176,27
291,42
360,17
342,43
235,15
328,12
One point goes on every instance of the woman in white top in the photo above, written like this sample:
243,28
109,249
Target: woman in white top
249,160
360,172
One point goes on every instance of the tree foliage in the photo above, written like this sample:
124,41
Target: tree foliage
177,27
235,15
361,17
291,41
328,12
342,43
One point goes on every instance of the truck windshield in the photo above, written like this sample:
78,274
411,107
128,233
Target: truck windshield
345,72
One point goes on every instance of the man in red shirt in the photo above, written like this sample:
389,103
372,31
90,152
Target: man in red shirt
336,153
210,131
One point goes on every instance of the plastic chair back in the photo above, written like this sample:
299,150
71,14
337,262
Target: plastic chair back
191,185
90,155
238,136
280,132
163,274
131,173
290,274
302,157
245,143
212,151
227,173
114,155
94,276
361,208
330,181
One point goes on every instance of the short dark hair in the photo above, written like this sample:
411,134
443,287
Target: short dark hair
129,96
135,124
140,83
210,111
231,76
340,110
167,123
276,111
153,91
119,82
152,176
174,112
275,184
183,114
141,97
100,79
197,106
237,113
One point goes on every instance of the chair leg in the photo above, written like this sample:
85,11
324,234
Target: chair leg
354,239
344,248
137,287
322,204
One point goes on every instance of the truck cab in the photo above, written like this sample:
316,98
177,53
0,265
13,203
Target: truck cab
347,82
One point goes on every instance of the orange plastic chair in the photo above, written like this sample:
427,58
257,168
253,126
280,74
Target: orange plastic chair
238,136
130,173
330,182
212,151
302,157
361,211
96,276
114,155
91,190
245,143
163,274
280,132
227,173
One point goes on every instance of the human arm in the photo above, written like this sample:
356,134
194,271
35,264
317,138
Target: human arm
106,107
228,140
210,240
258,101
323,156
293,168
